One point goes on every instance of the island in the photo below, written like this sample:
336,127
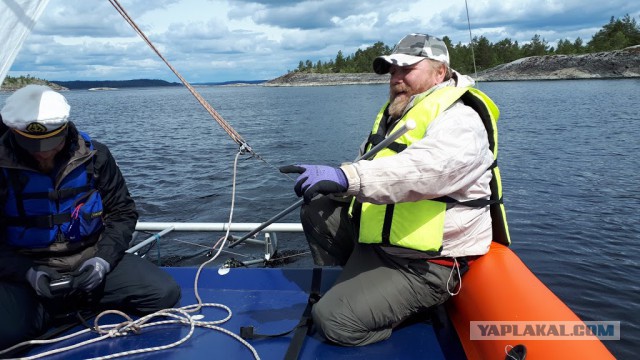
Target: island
615,64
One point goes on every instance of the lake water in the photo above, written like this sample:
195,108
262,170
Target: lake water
569,156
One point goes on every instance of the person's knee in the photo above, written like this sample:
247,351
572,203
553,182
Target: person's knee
174,294
310,214
162,295
169,295
336,327
21,316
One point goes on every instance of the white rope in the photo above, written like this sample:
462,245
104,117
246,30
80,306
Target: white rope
508,349
183,318
179,315
456,268
226,236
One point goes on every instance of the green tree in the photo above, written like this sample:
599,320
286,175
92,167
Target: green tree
565,47
14,83
506,51
579,47
461,58
617,34
339,63
537,47
485,56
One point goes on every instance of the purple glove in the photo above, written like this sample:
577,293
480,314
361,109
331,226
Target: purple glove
91,274
316,179
40,277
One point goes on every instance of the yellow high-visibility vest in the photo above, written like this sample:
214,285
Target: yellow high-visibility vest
420,225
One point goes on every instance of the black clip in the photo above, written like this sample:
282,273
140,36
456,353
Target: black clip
246,332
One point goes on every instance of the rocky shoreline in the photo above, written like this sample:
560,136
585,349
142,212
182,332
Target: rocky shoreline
617,64
311,79
603,65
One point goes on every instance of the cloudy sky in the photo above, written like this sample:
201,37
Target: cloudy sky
223,40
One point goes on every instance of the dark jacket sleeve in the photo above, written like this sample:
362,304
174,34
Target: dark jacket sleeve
120,215
13,266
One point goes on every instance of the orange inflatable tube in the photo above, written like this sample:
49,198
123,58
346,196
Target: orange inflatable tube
500,287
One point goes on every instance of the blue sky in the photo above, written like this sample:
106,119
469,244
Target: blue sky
223,40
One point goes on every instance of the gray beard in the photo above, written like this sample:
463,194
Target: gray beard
397,106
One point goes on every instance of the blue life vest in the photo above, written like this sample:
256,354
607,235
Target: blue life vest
39,213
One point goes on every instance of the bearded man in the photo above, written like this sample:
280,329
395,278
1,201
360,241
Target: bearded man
414,216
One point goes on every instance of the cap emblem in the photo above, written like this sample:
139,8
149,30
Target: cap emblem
36,128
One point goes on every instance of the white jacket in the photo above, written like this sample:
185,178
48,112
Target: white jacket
453,160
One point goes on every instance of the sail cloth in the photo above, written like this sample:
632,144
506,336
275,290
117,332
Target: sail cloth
17,19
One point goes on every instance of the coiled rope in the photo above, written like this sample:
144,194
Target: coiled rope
178,315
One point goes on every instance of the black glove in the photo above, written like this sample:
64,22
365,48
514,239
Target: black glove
317,179
91,274
40,278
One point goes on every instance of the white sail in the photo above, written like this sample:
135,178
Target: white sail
17,19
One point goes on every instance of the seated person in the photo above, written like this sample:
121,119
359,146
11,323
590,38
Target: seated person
65,210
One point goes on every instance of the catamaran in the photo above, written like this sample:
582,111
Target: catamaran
258,312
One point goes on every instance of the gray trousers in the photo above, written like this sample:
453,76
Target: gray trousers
375,291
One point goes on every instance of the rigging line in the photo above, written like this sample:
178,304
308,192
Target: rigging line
222,240
473,55
235,136
210,248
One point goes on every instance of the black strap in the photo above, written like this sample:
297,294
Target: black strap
18,183
42,221
475,203
375,139
306,322
301,329
386,226
58,194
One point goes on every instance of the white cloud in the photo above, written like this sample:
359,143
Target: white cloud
221,40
